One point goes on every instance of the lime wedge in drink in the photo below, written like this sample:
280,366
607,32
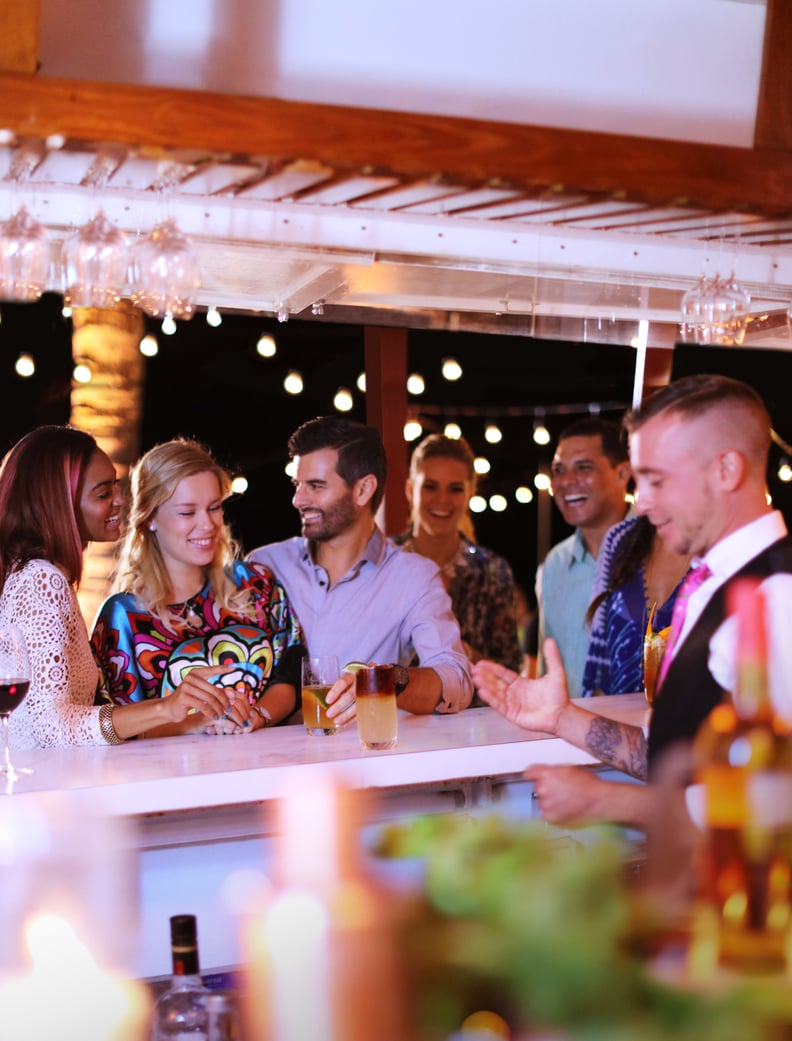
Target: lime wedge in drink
318,693
355,666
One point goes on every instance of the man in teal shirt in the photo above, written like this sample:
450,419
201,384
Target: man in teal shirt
590,474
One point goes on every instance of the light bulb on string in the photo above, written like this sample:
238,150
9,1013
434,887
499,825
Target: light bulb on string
266,346
25,366
360,382
542,482
784,471
213,317
493,433
239,484
412,430
477,504
451,369
481,465
168,325
498,503
453,431
293,382
149,347
82,373
343,400
523,494
541,434
415,383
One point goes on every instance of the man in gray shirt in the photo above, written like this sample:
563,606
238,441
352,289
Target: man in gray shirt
357,595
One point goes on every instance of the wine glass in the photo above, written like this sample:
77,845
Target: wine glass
166,272
14,683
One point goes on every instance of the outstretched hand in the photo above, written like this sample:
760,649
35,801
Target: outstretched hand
533,704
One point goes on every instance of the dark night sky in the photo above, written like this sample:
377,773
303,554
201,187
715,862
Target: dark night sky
211,384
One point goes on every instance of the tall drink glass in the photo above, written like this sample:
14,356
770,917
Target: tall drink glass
318,676
375,698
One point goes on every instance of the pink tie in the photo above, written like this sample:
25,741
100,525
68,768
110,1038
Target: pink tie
693,579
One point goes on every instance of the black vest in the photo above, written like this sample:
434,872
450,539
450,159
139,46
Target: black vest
689,690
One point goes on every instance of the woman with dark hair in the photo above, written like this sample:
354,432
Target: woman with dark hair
441,483
58,492
635,585
185,599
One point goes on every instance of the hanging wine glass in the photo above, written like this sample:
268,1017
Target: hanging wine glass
95,261
24,257
166,273
14,683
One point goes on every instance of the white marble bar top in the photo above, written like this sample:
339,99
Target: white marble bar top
185,773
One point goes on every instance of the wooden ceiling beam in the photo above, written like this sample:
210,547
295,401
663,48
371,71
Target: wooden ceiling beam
774,110
451,149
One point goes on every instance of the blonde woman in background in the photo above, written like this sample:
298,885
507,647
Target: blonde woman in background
480,583
186,600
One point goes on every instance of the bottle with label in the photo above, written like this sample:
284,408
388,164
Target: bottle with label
180,1014
743,760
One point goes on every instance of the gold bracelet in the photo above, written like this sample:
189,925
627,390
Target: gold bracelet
106,727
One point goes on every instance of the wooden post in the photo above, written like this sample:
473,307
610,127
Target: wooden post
386,409
110,408
19,31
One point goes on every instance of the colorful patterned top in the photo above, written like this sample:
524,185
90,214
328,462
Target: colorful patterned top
484,601
141,657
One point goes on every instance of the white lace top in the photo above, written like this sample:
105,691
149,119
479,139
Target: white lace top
59,708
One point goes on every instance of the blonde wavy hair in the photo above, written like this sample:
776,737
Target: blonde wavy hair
141,568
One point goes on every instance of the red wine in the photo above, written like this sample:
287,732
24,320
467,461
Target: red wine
11,694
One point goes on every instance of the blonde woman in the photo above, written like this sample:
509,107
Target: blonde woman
480,583
187,603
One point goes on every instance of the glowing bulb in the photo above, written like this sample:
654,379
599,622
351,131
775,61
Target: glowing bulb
451,369
415,383
412,430
360,383
481,465
293,382
784,471
343,400
66,311
266,346
493,434
168,325
82,373
239,485
541,434
291,468
149,346
498,503
523,494
453,430
25,366
477,504
542,482
213,317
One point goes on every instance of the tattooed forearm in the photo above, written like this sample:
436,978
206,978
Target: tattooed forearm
618,745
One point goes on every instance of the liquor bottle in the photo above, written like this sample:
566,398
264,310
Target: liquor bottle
743,759
180,1014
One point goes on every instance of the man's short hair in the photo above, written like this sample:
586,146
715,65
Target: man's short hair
614,447
360,450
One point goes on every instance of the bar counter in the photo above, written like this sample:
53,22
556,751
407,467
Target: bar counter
198,805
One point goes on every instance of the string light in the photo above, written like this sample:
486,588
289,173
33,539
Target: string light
415,383
343,399
541,434
451,369
784,471
523,494
453,430
542,482
239,485
293,382
168,325
266,346
412,430
360,382
481,465
477,504
214,318
25,366
493,433
149,346
498,503
82,373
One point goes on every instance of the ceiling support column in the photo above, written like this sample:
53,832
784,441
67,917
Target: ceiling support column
386,409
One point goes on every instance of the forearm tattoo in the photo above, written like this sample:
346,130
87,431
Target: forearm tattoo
618,745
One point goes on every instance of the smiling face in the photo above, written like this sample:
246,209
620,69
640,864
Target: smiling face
439,495
99,501
325,502
187,525
588,488
676,471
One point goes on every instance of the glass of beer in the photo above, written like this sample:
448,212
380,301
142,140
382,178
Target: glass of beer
375,698
318,676
653,650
